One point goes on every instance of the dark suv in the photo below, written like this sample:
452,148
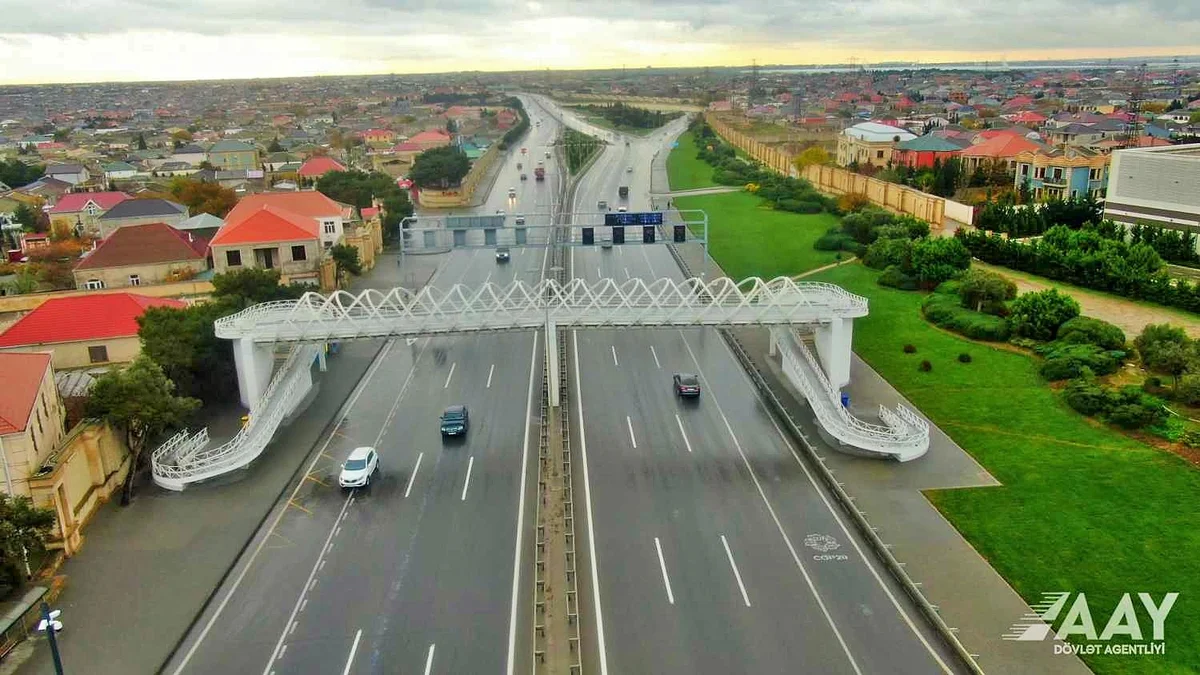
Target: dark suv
455,421
687,384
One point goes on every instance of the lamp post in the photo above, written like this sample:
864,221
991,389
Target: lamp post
51,625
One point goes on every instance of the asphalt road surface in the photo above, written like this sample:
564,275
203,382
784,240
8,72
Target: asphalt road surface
419,572
712,549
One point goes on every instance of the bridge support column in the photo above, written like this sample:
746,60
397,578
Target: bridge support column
321,365
833,341
773,347
254,362
552,361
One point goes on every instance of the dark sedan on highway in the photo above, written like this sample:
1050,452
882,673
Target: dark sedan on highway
455,421
687,384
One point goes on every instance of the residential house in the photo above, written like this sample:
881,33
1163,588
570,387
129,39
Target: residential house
288,231
1155,186
75,174
318,166
202,225
119,171
171,169
140,212
1003,147
232,155
923,151
191,153
81,211
31,418
139,255
380,136
42,191
83,331
277,160
427,140
1062,173
869,143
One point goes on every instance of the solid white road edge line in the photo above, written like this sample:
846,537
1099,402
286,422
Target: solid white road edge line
662,564
491,370
362,386
467,482
655,355
736,574
771,510
629,423
450,375
587,501
429,659
614,353
683,433
413,478
353,649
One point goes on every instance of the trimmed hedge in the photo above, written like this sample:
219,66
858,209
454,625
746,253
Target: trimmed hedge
944,310
895,277
1086,330
1065,361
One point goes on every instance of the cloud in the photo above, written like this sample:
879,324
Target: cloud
388,35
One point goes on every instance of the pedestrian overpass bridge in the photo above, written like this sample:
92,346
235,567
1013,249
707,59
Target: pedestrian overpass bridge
824,310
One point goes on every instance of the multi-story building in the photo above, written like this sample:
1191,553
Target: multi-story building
141,212
1062,173
141,255
1155,186
870,143
231,155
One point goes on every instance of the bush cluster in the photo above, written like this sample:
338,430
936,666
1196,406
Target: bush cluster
1035,219
1127,407
1066,361
1039,314
943,309
1086,330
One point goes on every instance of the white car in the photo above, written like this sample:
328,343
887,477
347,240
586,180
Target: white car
629,169
359,467
519,220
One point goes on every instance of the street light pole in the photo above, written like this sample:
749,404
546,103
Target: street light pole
52,626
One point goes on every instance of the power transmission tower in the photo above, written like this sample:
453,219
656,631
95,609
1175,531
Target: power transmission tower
1137,95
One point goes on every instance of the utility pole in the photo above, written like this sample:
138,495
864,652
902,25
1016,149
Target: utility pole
1137,94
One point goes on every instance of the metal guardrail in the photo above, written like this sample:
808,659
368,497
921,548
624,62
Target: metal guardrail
180,460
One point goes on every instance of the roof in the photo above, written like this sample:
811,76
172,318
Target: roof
370,212
435,135
20,379
77,201
230,145
144,245
309,203
119,166
200,221
143,208
319,166
189,149
928,143
1006,145
267,224
82,317
54,169
874,132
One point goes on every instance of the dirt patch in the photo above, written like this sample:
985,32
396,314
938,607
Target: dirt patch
1128,315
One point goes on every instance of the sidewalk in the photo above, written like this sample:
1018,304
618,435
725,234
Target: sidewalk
147,569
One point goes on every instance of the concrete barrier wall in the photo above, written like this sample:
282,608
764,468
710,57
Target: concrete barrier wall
960,212
838,181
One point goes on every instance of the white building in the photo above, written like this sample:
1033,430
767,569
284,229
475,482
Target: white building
1155,186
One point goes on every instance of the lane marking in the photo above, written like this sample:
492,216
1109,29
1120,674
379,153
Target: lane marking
736,574
353,649
614,353
293,628
683,433
663,565
491,370
629,423
429,660
587,500
467,483
450,375
627,275
250,563
487,278
413,478
771,510
655,355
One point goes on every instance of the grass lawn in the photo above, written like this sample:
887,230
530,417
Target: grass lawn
684,170
1082,508
604,123
749,239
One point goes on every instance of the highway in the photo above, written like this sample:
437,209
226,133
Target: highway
711,548
426,570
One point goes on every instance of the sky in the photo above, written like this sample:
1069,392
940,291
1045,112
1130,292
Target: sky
135,40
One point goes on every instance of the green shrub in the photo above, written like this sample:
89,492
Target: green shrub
986,292
894,277
885,253
964,358
1086,330
937,259
799,206
910,349
1132,408
925,366
1038,314
1190,438
836,240
1065,361
1086,397
945,311
1188,390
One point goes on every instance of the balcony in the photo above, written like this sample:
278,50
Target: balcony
1060,180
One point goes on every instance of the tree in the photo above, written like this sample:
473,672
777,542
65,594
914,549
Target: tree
815,155
357,188
985,291
182,136
1038,314
275,145
15,173
936,259
247,287
24,281
440,167
140,401
1167,350
24,216
141,141
346,259
23,529
1194,118
203,197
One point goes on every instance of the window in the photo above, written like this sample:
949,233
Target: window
878,154
92,209
1094,174
330,227
233,258
299,253
1039,172
135,280
94,284
1024,169
98,354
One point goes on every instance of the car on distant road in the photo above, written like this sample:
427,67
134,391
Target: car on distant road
500,212
455,420
606,241
518,166
512,193
502,254
359,467
520,219
686,384
547,154
629,169
524,176
621,209
601,205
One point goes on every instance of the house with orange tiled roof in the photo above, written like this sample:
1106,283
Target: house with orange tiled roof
433,138
1001,147
287,231
31,418
315,167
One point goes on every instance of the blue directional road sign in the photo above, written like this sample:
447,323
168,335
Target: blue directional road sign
649,218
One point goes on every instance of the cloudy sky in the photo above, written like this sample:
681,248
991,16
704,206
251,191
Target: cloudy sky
100,40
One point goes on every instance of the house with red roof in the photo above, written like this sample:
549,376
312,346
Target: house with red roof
31,418
142,255
84,331
432,138
999,148
1027,118
288,231
83,209
383,136
315,167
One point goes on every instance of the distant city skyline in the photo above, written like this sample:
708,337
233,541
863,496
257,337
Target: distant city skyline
135,40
